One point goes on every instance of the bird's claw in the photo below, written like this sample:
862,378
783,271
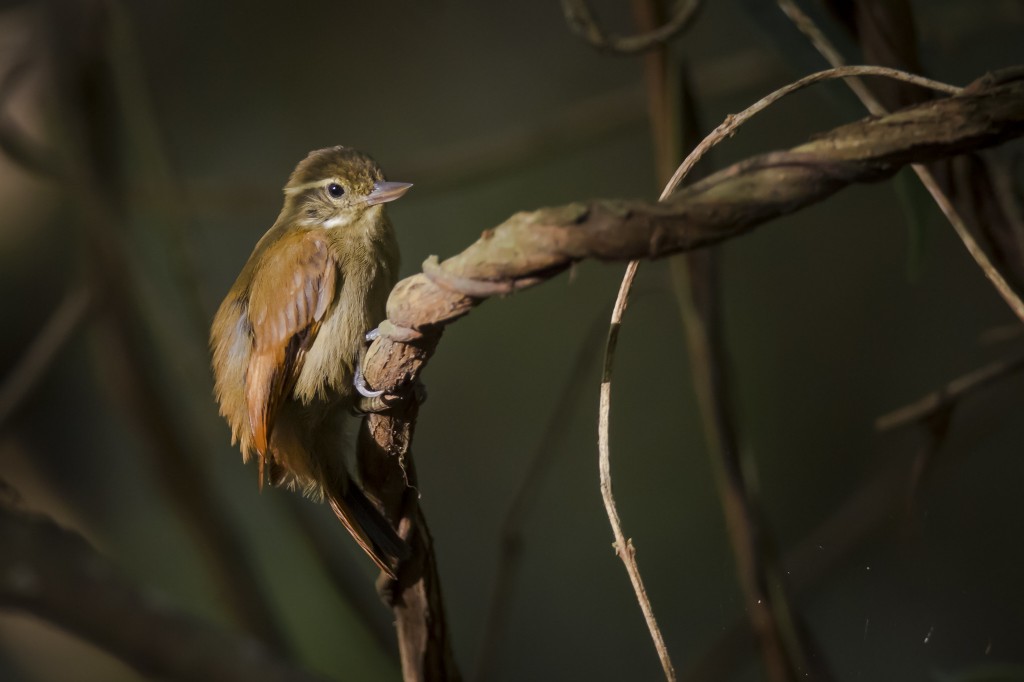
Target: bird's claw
372,335
359,381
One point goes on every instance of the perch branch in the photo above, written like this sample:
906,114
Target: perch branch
531,247
55,574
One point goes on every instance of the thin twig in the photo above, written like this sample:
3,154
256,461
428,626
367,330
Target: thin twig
728,127
977,253
946,397
871,103
65,320
824,46
54,573
624,547
582,22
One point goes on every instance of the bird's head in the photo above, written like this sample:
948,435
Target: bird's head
336,186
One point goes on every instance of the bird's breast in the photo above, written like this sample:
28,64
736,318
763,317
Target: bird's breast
365,279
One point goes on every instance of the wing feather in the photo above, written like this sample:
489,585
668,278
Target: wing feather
290,296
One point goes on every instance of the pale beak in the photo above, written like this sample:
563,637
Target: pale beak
384,192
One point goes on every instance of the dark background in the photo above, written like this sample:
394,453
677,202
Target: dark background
832,319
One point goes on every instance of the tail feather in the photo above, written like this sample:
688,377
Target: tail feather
369,528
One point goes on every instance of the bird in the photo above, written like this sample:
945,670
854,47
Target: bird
287,340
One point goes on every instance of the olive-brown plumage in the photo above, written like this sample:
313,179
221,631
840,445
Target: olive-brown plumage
288,337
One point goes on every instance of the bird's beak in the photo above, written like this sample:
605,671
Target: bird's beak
384,192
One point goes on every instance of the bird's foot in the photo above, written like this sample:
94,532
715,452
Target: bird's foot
376,401
359,381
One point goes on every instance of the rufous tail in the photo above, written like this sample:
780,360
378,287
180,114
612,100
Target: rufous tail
369,528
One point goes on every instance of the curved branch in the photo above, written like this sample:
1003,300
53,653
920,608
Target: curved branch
624,546
529,248
582,22
55,574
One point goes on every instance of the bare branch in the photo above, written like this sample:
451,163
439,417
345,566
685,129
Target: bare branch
388,473
871,103
53,573
582,22
530,248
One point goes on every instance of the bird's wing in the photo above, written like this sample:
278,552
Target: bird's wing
290,295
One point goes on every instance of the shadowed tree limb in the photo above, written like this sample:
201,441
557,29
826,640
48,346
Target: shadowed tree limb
532,247
54,573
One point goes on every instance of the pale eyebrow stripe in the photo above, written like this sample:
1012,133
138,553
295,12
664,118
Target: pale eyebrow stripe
309,185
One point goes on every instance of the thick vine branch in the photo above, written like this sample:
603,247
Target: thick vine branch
54,573
531,247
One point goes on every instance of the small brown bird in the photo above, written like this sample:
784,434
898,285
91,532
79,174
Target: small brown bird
288,338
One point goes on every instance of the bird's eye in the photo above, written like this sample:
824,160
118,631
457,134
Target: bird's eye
335,190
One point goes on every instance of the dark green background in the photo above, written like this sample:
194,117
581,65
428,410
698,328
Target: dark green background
481,105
